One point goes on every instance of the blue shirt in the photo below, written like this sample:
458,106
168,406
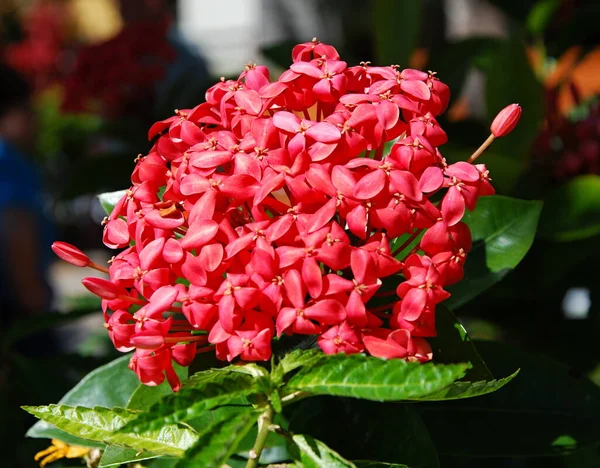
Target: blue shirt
21,189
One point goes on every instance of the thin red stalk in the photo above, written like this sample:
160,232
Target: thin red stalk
97,267
205,350
177,339
379,153
306,114
385,293
481,149
407,243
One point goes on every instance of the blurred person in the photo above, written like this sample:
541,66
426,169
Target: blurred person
25,233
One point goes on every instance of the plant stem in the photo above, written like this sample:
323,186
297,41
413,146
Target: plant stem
481,149
264,422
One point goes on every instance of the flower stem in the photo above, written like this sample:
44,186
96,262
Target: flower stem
482,148
264,423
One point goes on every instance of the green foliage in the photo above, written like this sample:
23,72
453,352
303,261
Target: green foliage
452,344
219,440
311,453
572,212
143,397
101,424
375,379
503,230
108,200
108,386
219,387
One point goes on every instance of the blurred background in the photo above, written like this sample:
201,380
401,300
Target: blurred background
81,81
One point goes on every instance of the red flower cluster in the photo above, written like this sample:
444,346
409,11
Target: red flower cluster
273,209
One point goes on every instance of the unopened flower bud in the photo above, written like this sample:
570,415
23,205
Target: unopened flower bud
101,287
506,120
71,254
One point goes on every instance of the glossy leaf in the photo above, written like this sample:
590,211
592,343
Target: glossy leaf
218,387
219,440
503,230
101,424
459,390
452,344
108,200
372,378
300,358
143,397
572,212
312,453
108,386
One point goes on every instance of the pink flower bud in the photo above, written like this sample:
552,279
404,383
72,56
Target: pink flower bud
101,287
70,254
506,120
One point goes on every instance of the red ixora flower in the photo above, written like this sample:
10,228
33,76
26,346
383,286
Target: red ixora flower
273,209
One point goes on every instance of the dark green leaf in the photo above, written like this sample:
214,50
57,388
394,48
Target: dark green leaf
572,212
547,410
108,200
396,26
355,429
372,378
219,441
452,344
540,16
503,230
460,390
312,453
201,393
109,385
103,424
376,464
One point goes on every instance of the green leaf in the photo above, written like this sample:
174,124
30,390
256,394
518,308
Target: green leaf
299,358
117,456
354,428
452,344
103,424
540,16
219,440
372,378
396,26
376,464
572,211
503,230
108,386
143,397
521,86
548,410
108,200
459,390
211,389
312,453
